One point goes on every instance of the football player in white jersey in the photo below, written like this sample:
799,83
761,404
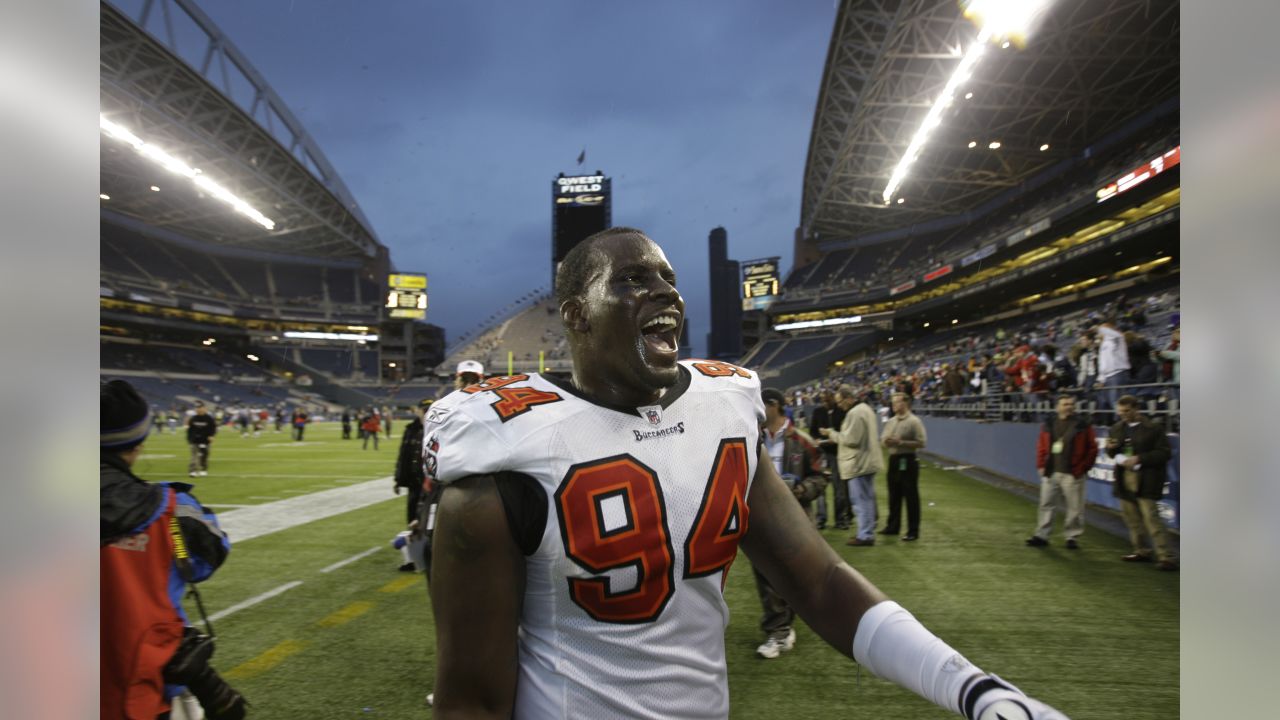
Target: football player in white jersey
587,526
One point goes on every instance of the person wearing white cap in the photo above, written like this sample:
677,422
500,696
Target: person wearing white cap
469,372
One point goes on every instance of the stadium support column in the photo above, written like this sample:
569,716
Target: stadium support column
724,342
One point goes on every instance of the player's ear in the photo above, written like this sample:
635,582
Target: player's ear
572,316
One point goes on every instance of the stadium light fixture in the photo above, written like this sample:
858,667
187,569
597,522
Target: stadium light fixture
818,323
1004,45
103,196
973,143
901,200
998,20
252,357
995,145
309,335
174,165
1044,147
968,96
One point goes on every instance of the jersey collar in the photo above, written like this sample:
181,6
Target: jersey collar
668,398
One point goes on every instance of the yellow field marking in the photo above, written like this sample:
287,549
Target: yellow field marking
345,615
264,662
400,584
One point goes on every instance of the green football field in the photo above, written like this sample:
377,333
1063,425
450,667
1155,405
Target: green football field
305,635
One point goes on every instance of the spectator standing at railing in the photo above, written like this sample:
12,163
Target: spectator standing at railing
1142,367
953,382
1065,452
1173,365
1113,362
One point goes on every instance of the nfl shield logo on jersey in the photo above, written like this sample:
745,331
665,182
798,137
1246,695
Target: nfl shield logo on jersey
654,415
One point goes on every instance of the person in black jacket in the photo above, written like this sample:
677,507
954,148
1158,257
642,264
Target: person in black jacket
409,461
1141,452
830,415
201,428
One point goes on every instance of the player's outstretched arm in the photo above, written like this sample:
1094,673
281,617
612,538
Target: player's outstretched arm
477,583
859,620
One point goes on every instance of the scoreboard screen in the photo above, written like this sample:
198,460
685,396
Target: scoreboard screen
407,296
759,283
580,206
1141,174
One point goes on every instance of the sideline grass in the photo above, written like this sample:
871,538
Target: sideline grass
1083,631
250,471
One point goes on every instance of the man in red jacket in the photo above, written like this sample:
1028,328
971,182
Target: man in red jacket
1065,452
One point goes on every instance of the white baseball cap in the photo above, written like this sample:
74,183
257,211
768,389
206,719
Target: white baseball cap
471,366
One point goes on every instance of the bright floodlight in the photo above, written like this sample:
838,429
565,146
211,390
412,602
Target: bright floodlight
995,145
175,165
1044,147
1005,19
998,20
104,196
973,143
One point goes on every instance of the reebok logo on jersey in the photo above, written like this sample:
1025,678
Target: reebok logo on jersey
677,429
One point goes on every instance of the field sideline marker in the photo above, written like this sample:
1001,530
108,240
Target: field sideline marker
251,522
254,600
346,614
353,558
270,658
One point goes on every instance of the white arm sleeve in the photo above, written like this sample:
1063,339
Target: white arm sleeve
894,646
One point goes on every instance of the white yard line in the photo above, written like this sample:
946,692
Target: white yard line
251,522
224,505
353,558
254,600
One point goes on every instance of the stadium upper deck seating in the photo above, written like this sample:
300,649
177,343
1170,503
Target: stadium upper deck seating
882,266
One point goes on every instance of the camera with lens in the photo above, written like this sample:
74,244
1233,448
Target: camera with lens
190,666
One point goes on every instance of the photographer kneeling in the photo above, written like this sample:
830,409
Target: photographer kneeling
155,538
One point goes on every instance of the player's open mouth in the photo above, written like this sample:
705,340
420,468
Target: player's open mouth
660,337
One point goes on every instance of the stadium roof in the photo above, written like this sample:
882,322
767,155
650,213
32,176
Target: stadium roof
171,79
1090,66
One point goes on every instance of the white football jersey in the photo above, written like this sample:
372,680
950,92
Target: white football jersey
624,612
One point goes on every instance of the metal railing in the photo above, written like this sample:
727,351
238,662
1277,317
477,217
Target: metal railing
1159,402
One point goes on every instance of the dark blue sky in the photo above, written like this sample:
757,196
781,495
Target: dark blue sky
449,120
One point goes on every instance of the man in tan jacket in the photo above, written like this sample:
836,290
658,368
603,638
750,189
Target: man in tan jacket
858,455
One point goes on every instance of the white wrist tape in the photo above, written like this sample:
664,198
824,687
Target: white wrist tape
894,646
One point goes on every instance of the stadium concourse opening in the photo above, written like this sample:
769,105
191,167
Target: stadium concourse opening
986,218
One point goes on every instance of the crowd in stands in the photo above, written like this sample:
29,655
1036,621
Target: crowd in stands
1025,362
873,270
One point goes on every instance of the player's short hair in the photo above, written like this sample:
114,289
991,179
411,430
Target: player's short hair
1127,401
773,395
906,397
575,269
